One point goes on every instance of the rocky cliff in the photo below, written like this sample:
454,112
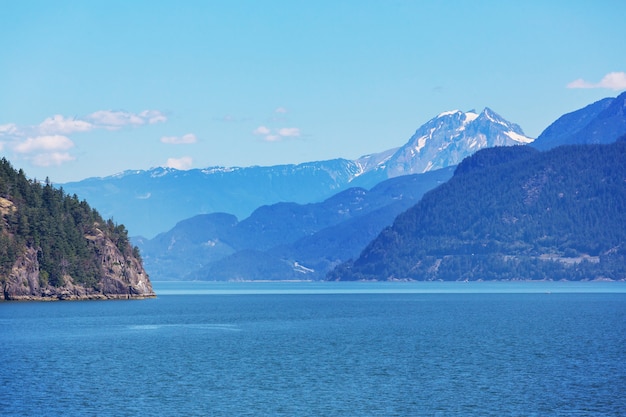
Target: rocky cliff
55,247
123,277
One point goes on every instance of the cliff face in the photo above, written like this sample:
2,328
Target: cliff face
56,247
123,276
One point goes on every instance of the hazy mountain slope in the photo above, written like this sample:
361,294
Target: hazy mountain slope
600,122
345,224
153,201
188,246
205,239
559,214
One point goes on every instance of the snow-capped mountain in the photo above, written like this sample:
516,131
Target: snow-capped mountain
153,201
446,140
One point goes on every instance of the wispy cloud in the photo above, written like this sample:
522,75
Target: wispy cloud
280,110
8,129
116,119
101,119
229,118
189,138
46,143
183,163
59,124
153,116
51,158
274,135
289,132
45,151
262,130
613,81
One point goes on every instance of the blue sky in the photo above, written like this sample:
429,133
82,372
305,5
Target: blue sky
92,88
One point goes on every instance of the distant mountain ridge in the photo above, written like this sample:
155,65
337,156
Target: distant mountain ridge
511,213
153,201
601,122
283,240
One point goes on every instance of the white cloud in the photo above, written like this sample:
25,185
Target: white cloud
109,119
274,135
289,132
261,130
101,119
183,140
179,163
59,124
46,150
153,116
112,119
613,81
49,143
52,158
46,144
8,129
280,110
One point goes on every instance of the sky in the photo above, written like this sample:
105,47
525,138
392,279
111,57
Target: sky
93,88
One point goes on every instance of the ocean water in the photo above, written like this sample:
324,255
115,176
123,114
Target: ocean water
321,349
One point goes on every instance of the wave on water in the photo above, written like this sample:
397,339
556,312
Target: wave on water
207,326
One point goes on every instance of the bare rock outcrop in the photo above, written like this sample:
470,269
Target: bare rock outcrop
122,276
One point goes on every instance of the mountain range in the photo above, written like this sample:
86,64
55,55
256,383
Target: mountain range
511,213
292,241
306,240
553,210
152,201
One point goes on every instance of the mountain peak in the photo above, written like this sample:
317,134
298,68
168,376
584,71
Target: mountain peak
450,137
448,113
493,117
465,117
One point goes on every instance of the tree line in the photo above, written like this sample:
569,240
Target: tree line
55,224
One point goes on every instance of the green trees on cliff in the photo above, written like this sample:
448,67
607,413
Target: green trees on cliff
42,217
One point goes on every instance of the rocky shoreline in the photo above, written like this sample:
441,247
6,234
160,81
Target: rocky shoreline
73,297
123,278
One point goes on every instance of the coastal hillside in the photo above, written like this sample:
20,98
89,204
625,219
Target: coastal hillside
53,246
511,213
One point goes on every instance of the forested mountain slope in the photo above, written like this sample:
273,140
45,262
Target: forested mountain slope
601,122
55,246
511,213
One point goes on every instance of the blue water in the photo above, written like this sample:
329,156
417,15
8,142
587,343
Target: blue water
321,349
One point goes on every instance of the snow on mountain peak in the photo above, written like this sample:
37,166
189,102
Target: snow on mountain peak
451,136
518,138
493,117
467,117
448,113
470,116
